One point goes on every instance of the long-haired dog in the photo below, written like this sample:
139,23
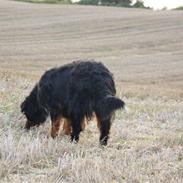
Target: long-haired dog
74,92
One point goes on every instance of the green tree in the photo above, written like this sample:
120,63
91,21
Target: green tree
107,2
139,4
87,2
117,2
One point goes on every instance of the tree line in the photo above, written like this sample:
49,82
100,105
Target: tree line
123,3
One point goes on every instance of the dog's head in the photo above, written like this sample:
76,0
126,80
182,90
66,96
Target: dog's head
32,109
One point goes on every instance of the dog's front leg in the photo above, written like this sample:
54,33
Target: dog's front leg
76,123
55,122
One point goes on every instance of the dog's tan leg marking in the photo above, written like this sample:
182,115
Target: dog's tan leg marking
98,123
67,127
83,124
55,127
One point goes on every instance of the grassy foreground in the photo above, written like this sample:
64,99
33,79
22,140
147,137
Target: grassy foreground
146,144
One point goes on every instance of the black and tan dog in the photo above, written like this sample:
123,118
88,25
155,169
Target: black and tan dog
74,92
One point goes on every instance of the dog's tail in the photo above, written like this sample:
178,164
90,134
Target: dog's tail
108,105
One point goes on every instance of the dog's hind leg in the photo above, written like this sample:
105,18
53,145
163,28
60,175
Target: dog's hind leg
104,126
105,110
55,126
83,123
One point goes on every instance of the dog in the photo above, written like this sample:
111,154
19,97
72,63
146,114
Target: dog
75,92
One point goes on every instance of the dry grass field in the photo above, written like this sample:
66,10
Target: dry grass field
144,50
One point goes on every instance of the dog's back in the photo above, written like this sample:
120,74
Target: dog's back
80,87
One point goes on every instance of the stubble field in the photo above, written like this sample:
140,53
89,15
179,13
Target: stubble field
144,51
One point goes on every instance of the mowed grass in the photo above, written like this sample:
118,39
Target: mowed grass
146,144
144,51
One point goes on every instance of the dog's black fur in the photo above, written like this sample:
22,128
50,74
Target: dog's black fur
74,91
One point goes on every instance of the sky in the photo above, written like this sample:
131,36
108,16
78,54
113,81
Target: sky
159,4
